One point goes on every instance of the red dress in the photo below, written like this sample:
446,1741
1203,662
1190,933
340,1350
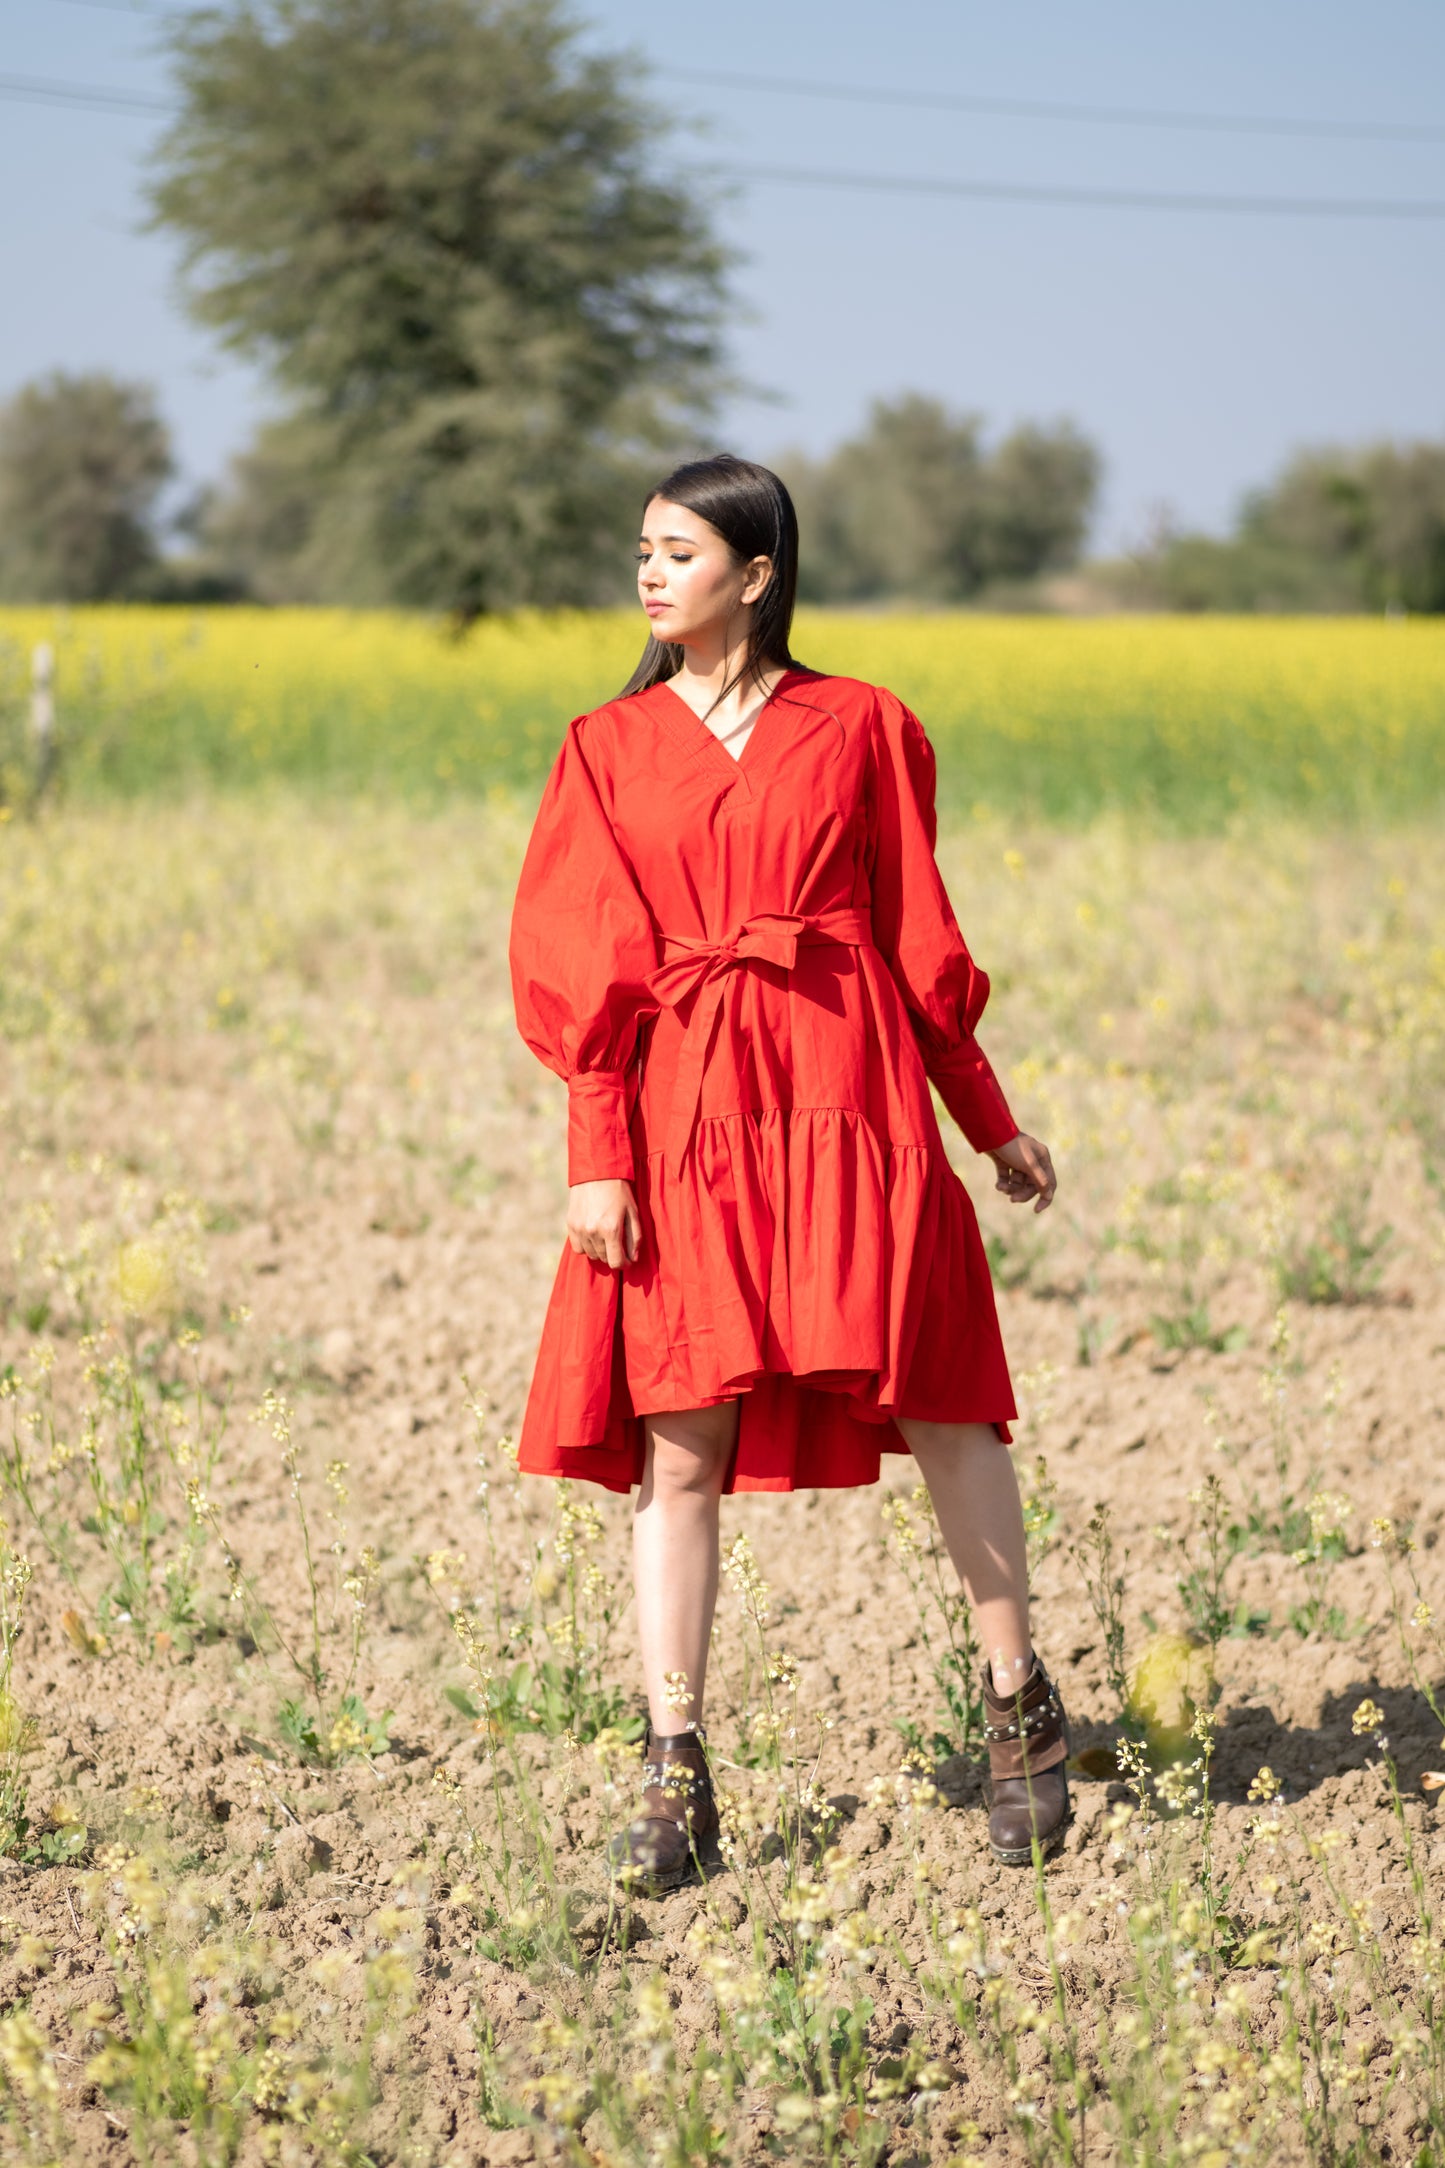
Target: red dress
747,971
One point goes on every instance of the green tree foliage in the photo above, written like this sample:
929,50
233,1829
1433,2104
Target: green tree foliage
82,462
273,527
1040,488
916,507
441,227
1338,530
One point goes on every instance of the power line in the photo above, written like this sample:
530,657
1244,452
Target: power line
1049,109
1121,116
100,97
41,90
1132,199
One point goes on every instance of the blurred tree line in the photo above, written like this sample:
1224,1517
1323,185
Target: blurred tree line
448,233
916,507
911,509
1336,530
490,312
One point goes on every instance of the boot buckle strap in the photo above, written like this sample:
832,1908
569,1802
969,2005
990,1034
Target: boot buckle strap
1037,1720
673,1773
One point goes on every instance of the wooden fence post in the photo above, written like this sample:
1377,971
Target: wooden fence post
42,714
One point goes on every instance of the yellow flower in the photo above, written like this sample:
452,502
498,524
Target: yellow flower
25,2053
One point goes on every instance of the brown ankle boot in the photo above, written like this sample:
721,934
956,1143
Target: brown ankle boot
1028,1742
655,1852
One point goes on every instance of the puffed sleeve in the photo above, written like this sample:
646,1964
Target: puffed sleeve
582,942
914,926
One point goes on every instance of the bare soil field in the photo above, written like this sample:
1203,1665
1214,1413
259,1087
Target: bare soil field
269,1131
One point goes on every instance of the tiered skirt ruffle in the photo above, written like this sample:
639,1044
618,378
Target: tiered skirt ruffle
831,1280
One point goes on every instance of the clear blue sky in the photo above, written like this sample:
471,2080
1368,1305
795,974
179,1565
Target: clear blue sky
1196,349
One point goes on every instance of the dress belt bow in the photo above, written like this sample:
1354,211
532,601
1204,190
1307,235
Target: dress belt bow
769,937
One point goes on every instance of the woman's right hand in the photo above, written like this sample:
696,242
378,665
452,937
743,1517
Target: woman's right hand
603,1222
1025,1170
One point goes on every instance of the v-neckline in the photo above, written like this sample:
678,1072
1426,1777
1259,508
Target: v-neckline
736,761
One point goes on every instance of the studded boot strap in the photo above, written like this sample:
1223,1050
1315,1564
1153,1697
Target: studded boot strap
1024,1732
678,1781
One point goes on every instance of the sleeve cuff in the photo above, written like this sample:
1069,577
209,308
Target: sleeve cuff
599,1148
965,1082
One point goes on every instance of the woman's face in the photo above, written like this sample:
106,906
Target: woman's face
690,584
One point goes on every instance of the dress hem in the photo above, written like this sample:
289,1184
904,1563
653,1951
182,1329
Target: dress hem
580,1464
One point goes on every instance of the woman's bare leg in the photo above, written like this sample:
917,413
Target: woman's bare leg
970,1476
675,1552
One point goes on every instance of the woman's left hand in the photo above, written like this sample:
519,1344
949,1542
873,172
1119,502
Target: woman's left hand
1025,1170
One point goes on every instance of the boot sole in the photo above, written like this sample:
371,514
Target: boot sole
654,1882
1047,1844
655,1885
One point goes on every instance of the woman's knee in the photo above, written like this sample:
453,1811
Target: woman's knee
940,1445
690,1449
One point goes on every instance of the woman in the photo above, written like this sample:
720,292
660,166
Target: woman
732,940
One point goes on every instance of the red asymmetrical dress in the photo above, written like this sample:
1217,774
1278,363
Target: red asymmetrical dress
747,971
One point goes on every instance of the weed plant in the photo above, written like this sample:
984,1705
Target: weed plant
946,1629
328,1722
116,1501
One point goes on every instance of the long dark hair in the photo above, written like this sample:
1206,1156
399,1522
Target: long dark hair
752,511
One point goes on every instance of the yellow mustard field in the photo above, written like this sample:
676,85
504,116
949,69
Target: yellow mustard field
1190,718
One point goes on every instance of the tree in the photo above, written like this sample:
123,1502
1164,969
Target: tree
439,224
1336,530
1370,523
915,506
893,511
260,528
1406,488
82,462
1040,491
